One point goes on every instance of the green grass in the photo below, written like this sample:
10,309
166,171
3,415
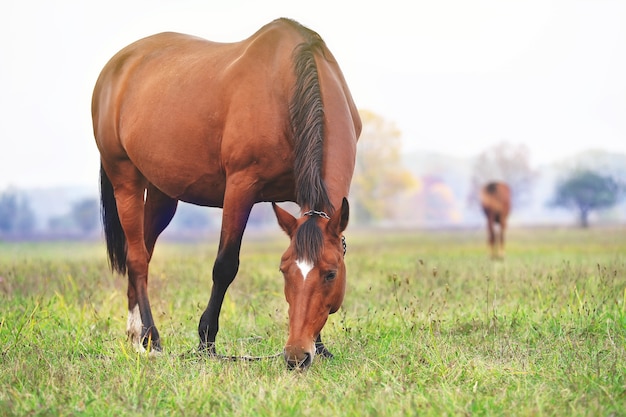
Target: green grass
429,326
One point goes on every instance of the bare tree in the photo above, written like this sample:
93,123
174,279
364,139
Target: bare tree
504,162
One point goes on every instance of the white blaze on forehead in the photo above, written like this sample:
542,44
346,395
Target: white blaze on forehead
305,267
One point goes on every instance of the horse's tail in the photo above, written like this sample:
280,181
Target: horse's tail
113,232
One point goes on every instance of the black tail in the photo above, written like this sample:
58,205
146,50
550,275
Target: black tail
116,240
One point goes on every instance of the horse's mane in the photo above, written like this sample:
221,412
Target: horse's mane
307,123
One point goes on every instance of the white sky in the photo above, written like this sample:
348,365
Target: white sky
456,76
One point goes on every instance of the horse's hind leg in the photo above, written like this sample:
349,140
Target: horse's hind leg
159,211
502,238
491,237
129,195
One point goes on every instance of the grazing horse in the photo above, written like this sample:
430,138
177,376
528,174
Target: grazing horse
266,119
495,199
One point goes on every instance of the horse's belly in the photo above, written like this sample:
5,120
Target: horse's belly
208,190
198,182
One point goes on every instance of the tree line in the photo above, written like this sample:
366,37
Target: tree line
18,219
382,190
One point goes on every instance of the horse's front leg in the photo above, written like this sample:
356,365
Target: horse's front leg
234,218
320,349
224,272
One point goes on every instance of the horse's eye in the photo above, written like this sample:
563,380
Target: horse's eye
331,275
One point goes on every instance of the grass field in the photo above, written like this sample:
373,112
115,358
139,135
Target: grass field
430,326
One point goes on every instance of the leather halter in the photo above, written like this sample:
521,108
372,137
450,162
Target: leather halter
327,217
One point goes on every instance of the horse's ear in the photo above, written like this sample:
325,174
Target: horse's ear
339,221
286,221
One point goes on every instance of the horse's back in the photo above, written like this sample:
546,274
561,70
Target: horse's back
189,112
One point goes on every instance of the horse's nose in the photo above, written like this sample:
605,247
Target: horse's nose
297,358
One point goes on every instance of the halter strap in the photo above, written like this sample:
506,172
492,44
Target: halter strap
316,213
327,217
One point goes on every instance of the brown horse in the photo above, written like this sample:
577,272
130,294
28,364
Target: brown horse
229,125
495,199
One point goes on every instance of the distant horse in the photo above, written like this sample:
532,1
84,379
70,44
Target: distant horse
228,125
495,199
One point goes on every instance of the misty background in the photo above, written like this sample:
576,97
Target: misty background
452,94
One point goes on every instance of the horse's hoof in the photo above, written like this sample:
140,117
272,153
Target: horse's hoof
152,346
207,349
321,350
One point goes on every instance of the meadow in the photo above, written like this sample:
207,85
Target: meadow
430,326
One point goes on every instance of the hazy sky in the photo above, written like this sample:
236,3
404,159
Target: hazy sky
454,76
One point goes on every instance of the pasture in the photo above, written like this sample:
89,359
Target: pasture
430,325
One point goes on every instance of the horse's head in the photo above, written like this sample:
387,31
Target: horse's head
315,277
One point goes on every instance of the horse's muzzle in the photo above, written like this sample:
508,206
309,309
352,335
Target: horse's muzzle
297,358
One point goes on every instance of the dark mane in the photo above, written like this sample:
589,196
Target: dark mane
307,123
